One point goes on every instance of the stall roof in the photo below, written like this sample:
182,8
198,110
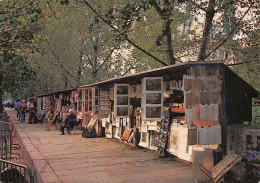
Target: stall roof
157,72
57,91
63,91
164,71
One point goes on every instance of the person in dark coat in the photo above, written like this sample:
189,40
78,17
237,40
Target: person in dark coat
69,122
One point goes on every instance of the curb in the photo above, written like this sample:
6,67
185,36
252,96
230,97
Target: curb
33,158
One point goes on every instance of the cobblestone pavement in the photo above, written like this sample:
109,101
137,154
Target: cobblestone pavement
71,158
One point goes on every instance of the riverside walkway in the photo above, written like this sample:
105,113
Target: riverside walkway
72,158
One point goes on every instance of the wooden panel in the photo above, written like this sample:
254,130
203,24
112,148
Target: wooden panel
225,165
209,135
192,136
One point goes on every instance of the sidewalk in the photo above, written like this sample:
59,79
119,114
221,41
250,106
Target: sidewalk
71,158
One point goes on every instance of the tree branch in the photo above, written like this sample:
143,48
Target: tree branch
225,40
197,5
106,59
125,36
129,68
51,9
57,59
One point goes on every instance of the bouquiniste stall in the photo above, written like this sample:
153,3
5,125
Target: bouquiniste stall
183,109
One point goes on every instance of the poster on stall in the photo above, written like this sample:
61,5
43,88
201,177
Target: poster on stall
144,127
178,144
144,140
108,130
124,121
118,133
104,121
117,122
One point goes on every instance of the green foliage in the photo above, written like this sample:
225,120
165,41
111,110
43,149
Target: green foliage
19,22
17,75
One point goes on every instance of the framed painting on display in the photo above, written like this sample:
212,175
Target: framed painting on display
122,100
152,98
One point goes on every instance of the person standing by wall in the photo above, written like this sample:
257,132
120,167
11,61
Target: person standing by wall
30,110
16,108
34,111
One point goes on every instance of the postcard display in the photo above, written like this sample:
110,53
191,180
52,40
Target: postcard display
121,109
202,93
152,105
105,111
161,135
39,104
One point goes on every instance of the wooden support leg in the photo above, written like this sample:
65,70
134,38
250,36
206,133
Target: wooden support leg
57,126
48,128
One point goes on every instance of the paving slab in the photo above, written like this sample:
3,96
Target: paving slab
72,158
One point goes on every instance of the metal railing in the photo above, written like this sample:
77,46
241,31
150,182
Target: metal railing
5,140
16,173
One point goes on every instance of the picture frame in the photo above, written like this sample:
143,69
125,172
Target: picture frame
122,89
154,84
144,140
153,112
122,112
152,102
122,100
153,98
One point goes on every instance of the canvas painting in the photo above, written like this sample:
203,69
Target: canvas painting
153,112
122,90
122,100
122,111
153,85
153,98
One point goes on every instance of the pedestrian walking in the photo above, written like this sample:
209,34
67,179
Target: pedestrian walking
22,110
16,108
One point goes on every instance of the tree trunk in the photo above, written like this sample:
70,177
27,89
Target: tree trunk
79,71
1,80
165,13
1,91
169,49
66,81
206,32
95,59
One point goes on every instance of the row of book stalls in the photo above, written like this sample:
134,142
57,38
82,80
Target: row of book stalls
183,109
57,102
